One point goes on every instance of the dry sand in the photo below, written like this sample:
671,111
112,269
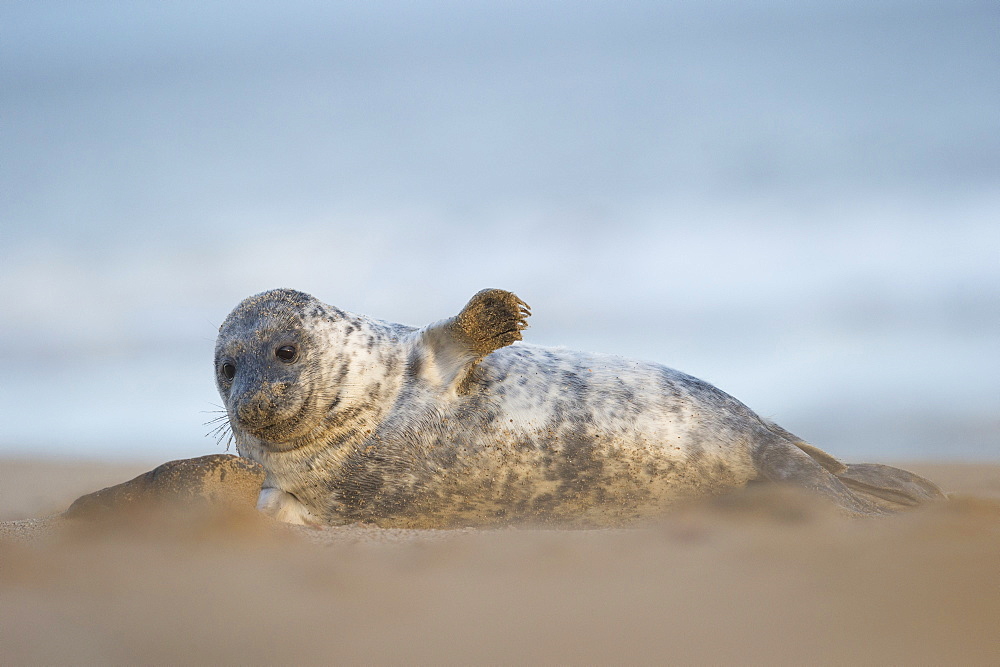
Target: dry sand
768,576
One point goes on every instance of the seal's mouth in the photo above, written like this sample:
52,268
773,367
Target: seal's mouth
277,433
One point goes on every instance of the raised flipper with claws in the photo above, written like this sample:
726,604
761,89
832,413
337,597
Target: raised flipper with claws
493,318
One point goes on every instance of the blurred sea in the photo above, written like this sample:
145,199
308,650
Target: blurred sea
797,201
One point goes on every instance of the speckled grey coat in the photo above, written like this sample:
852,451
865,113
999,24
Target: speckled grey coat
457,424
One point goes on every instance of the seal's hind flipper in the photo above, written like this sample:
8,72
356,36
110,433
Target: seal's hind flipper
829,462
779,460
492,319
894,485
864,485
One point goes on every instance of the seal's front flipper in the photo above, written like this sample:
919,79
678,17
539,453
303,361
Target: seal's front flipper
492,319
896,486
285,507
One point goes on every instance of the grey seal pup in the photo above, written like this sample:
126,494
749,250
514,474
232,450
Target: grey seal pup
459,424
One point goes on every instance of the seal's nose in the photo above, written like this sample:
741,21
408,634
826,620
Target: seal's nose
257,408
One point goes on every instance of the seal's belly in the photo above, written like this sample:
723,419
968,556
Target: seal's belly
570,481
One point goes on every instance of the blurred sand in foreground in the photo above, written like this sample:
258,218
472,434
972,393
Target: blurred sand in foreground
769,575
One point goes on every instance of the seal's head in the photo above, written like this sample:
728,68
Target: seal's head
294,372
266,369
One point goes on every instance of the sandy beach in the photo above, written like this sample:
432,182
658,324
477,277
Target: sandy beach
763,576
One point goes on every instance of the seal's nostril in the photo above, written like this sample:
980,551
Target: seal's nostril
255,410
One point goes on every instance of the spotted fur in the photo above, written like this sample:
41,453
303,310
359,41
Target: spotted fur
459,424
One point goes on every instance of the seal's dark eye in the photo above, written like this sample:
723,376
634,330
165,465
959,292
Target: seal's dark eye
228,371
286,353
